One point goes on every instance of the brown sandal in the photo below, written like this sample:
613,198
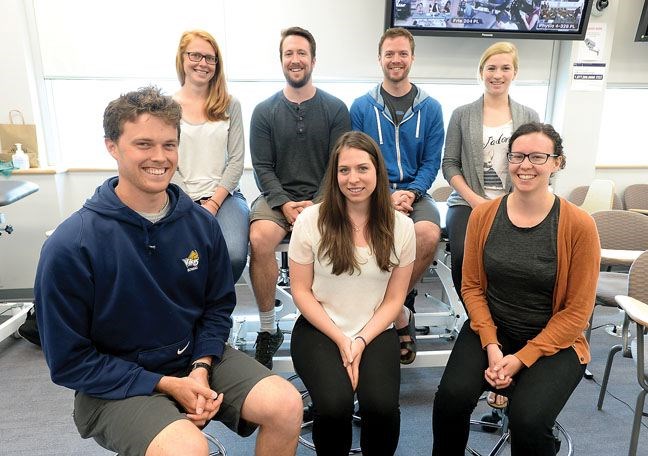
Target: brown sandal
409,345
491,399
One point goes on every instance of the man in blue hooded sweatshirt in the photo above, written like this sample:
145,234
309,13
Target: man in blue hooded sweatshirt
407,124
134,294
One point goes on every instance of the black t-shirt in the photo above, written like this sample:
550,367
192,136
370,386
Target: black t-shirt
521,266
398,106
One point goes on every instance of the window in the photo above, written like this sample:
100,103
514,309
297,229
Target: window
620,141
78,106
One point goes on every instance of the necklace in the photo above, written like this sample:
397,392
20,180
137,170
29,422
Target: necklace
357,228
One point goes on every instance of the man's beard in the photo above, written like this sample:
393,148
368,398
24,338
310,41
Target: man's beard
298,84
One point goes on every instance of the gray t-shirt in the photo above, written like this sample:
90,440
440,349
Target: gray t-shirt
398,106
520,266
290,144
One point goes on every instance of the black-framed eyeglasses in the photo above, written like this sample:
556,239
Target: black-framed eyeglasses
197,57
536,158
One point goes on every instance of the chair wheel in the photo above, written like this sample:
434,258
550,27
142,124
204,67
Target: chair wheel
308,413
492,417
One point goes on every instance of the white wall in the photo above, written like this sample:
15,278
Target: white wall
145,33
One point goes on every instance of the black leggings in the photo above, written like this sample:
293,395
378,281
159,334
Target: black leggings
538,395
318,362
456,223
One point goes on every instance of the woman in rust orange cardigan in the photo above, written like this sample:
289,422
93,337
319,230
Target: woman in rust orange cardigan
529,282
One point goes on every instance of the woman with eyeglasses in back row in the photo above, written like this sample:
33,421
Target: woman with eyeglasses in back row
530,270
212,149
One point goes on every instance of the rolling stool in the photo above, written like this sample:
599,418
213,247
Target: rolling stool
498,421
307,421
220,449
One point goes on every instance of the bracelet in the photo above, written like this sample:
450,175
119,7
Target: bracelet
210,200
362,339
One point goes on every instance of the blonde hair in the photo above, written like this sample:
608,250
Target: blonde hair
217,98
501,47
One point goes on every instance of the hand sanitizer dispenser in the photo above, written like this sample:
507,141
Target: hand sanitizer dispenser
20,159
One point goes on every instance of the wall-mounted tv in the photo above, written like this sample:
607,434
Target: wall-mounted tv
536,19
642,29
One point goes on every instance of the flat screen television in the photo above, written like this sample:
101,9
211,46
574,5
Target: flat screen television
536,19
642,30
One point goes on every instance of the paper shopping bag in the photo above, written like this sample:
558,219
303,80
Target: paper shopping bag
17,131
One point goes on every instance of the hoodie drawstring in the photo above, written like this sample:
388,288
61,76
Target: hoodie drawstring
380,138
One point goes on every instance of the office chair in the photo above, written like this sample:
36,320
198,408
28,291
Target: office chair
498,422
635,306
636,196
578,194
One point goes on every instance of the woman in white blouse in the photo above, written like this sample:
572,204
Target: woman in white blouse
474,158
351,259
211,152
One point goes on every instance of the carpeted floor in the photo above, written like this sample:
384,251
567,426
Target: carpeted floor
36,414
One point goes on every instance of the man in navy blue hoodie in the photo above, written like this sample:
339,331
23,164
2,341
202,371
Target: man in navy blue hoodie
408,125
134,294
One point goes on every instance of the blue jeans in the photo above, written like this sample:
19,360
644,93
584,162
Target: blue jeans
234,220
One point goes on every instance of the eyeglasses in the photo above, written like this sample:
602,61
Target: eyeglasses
197,57
536,158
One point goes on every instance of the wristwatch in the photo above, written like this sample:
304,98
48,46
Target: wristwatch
417,195
200,364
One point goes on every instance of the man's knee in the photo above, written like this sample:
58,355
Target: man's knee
265,235
179,437
274,402
427,238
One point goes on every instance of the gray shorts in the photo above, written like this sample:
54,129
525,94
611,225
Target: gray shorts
260,210
425,210
128,426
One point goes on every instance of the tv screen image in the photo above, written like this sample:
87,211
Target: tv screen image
566,19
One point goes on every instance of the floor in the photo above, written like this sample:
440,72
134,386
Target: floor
36,418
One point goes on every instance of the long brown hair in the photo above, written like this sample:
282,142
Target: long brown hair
218,98
336,245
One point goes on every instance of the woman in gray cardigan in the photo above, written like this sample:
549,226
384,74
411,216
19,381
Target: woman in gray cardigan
474,160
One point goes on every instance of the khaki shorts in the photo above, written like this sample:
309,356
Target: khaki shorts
425,211
128,426
260,210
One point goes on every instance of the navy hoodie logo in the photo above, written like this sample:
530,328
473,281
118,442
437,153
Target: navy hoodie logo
191,262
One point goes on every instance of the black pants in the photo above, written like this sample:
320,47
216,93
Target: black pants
456,223
318,362
538,395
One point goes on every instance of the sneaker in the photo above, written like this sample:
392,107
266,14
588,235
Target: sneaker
29,330
410,298
266,346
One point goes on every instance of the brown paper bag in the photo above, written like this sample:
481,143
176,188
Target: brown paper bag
22,133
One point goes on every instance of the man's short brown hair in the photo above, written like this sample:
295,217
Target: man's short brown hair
396,32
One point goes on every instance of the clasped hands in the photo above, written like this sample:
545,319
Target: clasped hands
403,201
195,396
292,209
501,369
351,353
